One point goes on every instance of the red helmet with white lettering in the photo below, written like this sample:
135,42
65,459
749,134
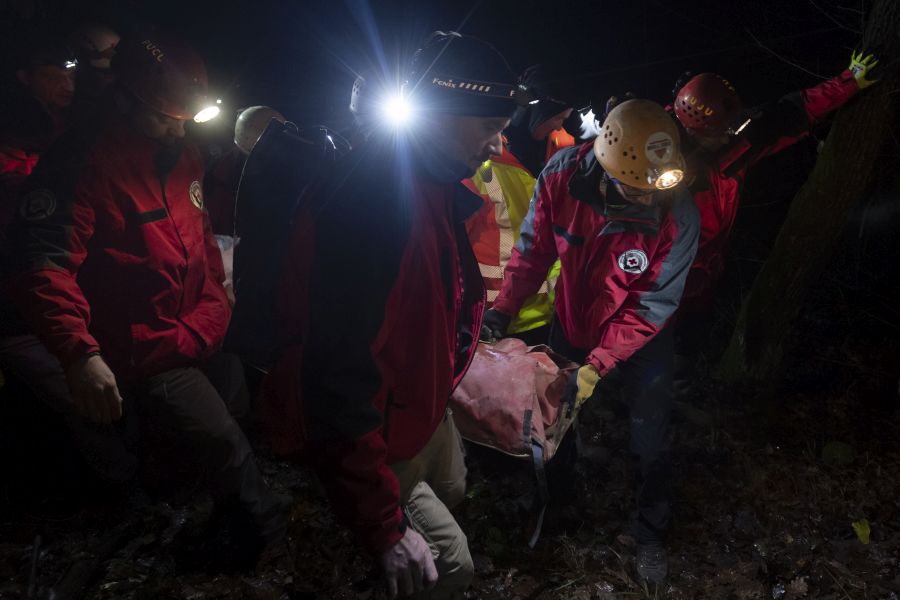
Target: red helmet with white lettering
166,75
707,105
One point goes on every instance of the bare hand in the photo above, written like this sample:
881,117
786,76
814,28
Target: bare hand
409,566
94,390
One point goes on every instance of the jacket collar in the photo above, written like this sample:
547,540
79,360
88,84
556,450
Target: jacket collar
465,203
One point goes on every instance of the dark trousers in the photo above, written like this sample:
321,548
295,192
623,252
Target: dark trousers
646,383
108,450
182,411
186,416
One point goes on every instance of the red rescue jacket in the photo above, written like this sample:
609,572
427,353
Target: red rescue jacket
381,305
115,254
718,184
623,267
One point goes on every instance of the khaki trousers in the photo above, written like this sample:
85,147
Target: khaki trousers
432,483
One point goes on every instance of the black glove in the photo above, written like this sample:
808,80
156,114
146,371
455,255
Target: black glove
494,325
614,101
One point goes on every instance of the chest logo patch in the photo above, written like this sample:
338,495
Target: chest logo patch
633,261
38,204
196,194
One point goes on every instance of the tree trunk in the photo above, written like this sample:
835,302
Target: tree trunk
850,162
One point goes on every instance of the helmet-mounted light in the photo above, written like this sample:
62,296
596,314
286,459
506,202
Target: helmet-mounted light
739,127
208,111
397,109
668,178
70,64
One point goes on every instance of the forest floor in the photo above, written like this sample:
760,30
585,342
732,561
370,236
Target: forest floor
793,497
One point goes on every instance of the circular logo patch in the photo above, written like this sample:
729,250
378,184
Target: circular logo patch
633,261
38,204
659,148
196,194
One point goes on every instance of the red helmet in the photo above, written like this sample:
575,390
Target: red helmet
707,104
166,75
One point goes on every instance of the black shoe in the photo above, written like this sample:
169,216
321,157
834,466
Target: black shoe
652,562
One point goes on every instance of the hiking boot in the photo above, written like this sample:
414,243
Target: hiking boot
652,562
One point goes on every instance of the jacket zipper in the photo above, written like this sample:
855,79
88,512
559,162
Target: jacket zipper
165,199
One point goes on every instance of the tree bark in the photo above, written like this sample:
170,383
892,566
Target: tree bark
850,162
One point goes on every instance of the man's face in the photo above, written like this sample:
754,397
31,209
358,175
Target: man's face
711,142
469,140
550,125
53,87
634,195
157,126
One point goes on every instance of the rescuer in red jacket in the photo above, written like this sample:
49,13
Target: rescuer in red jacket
381,305
727,141
119,275
625,234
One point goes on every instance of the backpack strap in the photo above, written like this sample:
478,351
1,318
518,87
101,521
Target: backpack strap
540,477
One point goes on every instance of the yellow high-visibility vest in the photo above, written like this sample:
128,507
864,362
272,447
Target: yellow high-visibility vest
506,187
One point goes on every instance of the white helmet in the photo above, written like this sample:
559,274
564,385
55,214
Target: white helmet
251,124
94,44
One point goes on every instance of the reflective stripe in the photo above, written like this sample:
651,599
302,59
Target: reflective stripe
493,274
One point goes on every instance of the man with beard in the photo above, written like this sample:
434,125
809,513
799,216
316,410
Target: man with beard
381,307
119,275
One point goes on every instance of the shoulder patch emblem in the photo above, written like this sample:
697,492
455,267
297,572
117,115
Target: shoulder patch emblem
37,204
633,261
196,194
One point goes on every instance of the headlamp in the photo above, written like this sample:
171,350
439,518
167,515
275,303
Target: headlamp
208,112
397,109
668,179
520,93
70,64
736,130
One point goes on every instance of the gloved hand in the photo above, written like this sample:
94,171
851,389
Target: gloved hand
494,325
861,67
614,101
94,390
581,385
409,565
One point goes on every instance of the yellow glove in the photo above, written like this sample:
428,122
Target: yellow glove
861,66
582,384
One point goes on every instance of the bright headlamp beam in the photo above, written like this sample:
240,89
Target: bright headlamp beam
669,179
397,110
207,114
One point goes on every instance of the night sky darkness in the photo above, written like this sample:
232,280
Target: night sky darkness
299,56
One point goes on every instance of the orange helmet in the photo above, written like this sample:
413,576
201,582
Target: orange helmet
639,146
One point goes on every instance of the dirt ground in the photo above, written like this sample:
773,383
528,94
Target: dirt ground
783,496
795,498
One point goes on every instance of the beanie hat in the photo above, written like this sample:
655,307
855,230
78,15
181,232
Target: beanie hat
462,75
